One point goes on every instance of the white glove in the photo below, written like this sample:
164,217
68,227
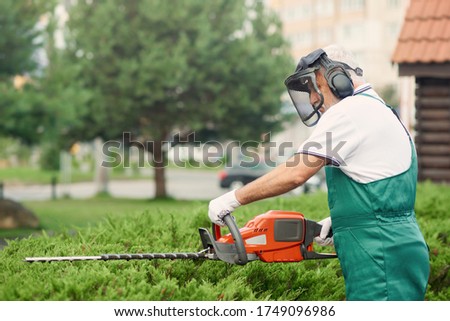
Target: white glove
322,239
222,205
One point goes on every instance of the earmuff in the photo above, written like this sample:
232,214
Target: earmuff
337,77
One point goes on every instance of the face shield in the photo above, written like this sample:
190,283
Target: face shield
306,97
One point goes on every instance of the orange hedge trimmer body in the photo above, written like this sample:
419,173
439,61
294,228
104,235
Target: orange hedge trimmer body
275,236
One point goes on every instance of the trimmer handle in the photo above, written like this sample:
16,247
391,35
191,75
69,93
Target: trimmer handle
241,257
312,230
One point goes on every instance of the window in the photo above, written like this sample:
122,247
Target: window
325,8
296,13
393,28
352,5
354,31
303,39
325,35
306,11
392,4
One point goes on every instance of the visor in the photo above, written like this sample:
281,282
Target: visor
302,85
306,97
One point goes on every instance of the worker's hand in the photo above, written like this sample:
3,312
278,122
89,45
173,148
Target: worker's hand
323,239
222,205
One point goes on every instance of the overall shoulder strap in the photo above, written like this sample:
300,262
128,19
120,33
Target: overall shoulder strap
391,108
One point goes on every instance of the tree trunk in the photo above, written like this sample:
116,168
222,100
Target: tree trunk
159,162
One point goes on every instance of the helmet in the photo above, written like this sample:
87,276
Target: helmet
302,83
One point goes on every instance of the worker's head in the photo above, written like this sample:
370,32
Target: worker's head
321,80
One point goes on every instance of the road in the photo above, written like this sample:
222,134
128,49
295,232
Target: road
191,184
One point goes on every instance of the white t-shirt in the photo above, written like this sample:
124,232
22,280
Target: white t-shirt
361,136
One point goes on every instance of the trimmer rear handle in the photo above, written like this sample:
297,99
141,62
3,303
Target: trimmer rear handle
313,229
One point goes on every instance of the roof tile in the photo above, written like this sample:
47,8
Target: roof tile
409,29
425,34
423,30
444,9
430,10
439,29
443,51
415,9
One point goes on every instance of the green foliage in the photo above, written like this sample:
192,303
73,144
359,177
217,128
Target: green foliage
20,35
151,280
156,67
432,210
64,102
21,112
50,105
390,95
171,227
12,147
50,158
146,67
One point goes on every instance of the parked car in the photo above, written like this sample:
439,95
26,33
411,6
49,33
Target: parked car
237,176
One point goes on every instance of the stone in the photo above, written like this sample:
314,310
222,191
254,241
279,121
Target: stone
15,215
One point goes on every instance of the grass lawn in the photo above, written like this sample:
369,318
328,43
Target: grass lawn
63,214
28,175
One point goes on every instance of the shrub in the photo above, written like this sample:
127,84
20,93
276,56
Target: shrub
170,231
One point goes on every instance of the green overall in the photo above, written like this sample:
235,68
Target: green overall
381,250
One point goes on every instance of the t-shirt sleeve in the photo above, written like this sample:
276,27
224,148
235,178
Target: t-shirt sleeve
335,138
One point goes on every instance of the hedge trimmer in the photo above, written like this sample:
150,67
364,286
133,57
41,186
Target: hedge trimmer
275,236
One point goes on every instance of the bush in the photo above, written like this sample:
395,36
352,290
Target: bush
432,210
170,231
50,158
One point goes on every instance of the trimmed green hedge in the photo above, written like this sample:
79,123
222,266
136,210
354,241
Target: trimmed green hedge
176,231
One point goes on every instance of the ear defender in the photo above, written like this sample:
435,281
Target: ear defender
337,77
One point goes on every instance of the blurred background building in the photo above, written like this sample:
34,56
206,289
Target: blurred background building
368,28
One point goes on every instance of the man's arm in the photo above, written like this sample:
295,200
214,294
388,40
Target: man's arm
284,178
295,172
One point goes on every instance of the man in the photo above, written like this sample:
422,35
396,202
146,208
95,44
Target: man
371,170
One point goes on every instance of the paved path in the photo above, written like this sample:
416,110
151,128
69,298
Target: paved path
181,184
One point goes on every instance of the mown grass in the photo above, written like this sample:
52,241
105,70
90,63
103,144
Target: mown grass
29,175
26,175
169,226
62,214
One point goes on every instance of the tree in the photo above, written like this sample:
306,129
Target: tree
20,35
157,67
48,106
21,38
65,96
